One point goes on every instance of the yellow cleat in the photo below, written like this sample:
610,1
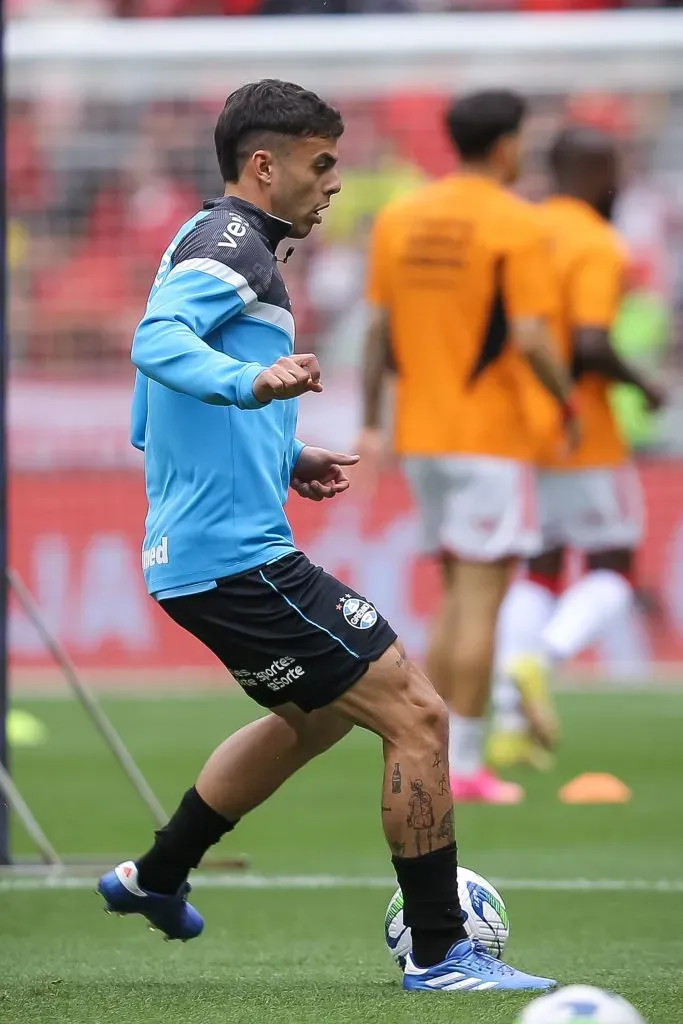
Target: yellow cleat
509,749
530,674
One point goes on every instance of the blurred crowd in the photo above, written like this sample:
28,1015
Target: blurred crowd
212,8
97,189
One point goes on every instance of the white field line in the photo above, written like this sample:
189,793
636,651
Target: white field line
61,881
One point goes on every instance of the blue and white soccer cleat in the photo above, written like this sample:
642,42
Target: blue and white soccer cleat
469,968
172,915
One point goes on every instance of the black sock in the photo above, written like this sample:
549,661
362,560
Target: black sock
431,906
181,844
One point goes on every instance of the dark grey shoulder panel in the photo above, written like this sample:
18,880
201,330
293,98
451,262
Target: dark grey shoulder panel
227,237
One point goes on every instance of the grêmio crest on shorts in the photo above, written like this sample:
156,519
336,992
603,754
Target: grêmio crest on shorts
358,613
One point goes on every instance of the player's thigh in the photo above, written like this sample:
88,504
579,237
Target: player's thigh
289,633
489,509
480,586
471,605
318,730
395,699
595,509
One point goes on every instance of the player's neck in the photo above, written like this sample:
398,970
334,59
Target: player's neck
574,192
250,194
481,169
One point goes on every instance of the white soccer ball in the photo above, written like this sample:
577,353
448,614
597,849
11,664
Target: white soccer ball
580,1004
486,917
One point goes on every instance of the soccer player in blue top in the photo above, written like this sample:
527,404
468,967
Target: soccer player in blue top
214,411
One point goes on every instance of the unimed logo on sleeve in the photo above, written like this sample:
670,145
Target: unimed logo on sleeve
156,555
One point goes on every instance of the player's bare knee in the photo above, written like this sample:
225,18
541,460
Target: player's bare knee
426,716
433,722
475,650
396,701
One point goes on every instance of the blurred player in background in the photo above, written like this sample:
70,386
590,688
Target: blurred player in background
460,296
590,500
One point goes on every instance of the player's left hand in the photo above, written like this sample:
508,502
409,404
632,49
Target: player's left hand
319,473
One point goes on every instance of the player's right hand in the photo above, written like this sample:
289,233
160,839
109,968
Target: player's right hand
573,434
289,377
371,446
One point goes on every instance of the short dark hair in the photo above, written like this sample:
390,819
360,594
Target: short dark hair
476,122
269,107
578,145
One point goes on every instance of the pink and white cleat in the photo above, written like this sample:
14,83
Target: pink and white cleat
485,788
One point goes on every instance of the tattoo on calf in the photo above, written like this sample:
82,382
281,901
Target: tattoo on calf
421,816
396,779
444,785
447,827
437,760
398,849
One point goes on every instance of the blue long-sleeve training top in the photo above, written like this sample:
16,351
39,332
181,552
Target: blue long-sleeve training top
217,461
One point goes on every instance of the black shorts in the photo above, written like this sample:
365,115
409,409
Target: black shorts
287,631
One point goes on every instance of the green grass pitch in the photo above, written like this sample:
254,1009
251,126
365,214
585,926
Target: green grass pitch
286,955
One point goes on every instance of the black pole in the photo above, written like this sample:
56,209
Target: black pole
4,751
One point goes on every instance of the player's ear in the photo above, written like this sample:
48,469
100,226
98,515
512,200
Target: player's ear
262,162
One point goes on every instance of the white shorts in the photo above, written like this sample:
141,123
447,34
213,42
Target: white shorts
479,508
591,509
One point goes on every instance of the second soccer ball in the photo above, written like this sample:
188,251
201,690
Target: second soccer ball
580,1004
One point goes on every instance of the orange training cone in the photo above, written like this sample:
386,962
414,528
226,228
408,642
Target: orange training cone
595,788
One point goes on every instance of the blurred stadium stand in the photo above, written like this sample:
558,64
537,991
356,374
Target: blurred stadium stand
237,8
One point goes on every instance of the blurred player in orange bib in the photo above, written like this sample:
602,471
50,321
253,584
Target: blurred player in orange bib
460,297
590,500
